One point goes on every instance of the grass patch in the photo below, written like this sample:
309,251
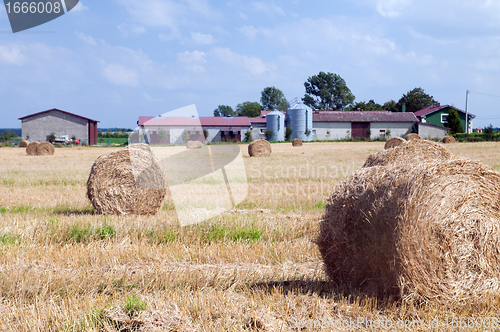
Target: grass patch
9,238
162,237
168,206
220,233
18,209
133,305
86,233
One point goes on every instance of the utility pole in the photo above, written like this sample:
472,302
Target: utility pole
467,112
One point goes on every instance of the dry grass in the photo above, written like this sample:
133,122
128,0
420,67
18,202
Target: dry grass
254,267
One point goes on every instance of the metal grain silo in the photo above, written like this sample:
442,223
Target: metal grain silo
299,119
275,121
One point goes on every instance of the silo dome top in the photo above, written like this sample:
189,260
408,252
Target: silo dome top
275,112
299,105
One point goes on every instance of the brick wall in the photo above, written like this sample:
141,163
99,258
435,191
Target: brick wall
38,127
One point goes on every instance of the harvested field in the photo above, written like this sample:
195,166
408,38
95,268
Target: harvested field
66,268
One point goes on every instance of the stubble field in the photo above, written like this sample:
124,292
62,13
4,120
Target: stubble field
255,267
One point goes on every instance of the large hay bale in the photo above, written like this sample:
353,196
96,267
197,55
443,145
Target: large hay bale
414,151
393,141
448,139
31,148
427,232
45,149
258,148
194,145
297,142
127,181
24,144
411,137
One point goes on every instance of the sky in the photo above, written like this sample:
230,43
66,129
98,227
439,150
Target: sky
116,60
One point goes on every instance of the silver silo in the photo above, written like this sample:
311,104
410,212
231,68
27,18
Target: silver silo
275,121
299,119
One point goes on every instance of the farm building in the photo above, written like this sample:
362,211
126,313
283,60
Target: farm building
335,125
258,127
40,125
438,115
178,130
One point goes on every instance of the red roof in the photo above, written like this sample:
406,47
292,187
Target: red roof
57,110
259,119
438,107
213,121
359,116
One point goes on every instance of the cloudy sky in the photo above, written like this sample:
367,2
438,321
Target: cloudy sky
116,60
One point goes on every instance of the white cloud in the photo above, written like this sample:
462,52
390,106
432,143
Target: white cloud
162,13
200,38
252,64
120,75
12,55
268,8
88,39
392,8
79,8
131,30
412,58
249,31
195,56
149,98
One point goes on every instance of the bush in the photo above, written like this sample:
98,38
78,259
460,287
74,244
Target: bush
248,136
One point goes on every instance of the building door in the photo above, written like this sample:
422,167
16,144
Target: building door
360,130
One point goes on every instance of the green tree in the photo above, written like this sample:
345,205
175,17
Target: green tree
248,108
224,110
371,105
288,133
52,137
327,90
7,136
273,98
415,100
248,136
391,106
454,122
489,132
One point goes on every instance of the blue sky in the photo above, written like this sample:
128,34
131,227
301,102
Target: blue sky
116,60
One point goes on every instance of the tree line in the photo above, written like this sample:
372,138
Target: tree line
327,91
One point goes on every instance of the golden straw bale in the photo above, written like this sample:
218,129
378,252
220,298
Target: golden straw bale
194,145
411,137
45,149
448,139
258,148
24,144
427,232
393,141
415,151
31,148
297,142
127,181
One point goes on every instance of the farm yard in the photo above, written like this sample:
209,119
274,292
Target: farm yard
255,267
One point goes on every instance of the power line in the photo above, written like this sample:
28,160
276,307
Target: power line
485,94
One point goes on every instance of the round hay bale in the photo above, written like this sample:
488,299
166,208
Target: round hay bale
259,148
411,137
413,152
194,145
24,144
297,142
448,139
31,148
45,149
393,141
429,233
127,181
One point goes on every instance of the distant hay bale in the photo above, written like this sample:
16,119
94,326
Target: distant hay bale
297,142
259,148
411,137
45,149
393,141
31,148
427,233
24,144
127,181
194,145
414,152
448,139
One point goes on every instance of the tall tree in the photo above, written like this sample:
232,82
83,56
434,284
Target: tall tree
454,122
415,100
391,106
327,90
248,108
224,110
273,98
371,105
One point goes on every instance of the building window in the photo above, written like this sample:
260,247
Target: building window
444,118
